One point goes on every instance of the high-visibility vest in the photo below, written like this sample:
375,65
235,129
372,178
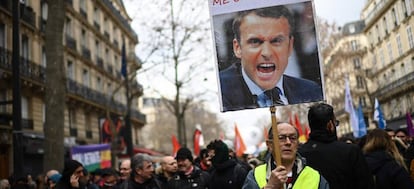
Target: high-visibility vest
308,178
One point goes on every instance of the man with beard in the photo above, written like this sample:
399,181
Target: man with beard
227,173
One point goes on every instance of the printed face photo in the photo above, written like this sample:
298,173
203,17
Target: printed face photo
267,56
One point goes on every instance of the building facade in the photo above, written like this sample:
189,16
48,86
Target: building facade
346,61
94,33
376,55
389,28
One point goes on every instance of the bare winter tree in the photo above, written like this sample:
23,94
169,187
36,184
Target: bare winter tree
329,34
55,87
175,45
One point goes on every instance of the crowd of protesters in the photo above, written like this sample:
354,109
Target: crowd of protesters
383,159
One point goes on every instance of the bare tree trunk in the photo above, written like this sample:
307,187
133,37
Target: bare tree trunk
55,87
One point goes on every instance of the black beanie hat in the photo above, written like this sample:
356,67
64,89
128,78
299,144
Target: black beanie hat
184,153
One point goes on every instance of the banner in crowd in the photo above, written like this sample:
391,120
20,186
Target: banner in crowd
93,156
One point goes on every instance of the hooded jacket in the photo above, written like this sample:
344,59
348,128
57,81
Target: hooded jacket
387,172
68,170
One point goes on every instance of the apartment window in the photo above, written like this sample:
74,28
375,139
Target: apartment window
382,57
384,23
354,45
357,63
88,126
395,16
44,11
109,89
107,54
403,69
84,38
97,49
72,122
106,24
25,107
360,82
44,60
71,70
407,7
96,15
389,46
85,78
399,44
25,52
378,33
83,5
410,37
68,27
99,85
374,59
3,35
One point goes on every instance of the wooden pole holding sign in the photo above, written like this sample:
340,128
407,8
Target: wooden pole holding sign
276,146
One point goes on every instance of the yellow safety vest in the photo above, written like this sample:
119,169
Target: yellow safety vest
308,178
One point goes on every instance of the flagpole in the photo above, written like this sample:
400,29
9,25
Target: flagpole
276,146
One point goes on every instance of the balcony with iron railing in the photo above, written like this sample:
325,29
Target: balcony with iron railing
89,94
28,69
376,11
404,82
99,62
86,53
27,123
32,70
70,42
27,14
118,15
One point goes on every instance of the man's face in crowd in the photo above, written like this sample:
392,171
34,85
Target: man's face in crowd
184,165
125,169
146,171
170,165
264,48
288,141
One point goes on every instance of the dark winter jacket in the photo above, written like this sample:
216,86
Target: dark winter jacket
388,174
198,179
228,175
342,164
152,183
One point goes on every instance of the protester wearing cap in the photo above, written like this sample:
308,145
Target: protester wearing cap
53,179
188,175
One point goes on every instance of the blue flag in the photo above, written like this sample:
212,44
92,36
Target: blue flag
124,62
361,122
378,116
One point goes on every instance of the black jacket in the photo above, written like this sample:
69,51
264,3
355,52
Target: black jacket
198,179
152,183
228,175
388,173
342,164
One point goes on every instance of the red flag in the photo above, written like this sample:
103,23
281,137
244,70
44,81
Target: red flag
239,145
176,145
198,140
